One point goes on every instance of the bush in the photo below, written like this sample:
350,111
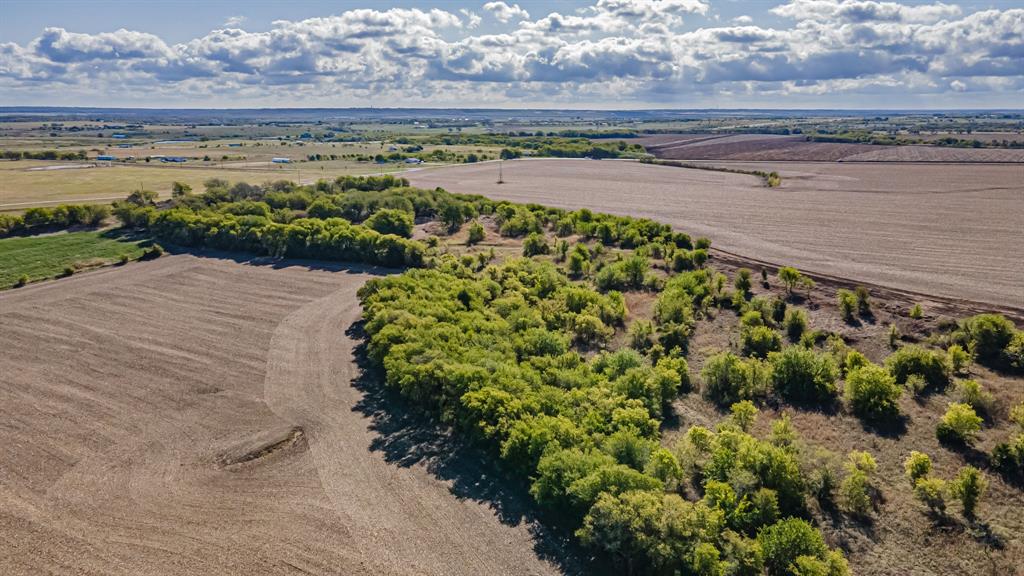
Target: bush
932,493
918,465
972,394
476,233
742,281
22,281
124,259
790,277
68,271
916,312
856,488
959,359
969,487
640,335
931,365
155,251
801,375
729,379
758,341
863,300
785,541
989,333
390,221
872,393
847,302
959,424
795,324
743,414
1014,351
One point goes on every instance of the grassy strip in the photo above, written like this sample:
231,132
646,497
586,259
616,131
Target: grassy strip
41,257
771,179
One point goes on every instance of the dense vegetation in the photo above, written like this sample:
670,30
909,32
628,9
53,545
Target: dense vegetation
36,220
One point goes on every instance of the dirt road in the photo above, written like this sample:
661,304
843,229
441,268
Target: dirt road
947,230
199,416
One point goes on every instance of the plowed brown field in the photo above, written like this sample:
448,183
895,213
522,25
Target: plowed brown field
947,230
797,148
199,416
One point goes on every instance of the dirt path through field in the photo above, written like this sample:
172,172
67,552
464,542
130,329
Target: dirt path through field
197,415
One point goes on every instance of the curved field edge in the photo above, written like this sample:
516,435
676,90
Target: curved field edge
225,436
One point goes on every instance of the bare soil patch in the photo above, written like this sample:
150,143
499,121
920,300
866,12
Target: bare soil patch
797,148
196,415
937,229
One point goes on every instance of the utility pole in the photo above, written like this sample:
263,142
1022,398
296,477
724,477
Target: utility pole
501,180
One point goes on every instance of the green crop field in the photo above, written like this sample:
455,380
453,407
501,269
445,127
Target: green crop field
41,257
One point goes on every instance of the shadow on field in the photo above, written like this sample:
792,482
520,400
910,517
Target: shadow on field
278,263
406,437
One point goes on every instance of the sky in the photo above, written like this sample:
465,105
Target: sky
602,54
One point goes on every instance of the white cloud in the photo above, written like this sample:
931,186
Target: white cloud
615,50
504,13
234,21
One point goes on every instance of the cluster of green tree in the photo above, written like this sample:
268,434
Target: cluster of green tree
244,226
968,487
491,353
43,155
66,215
540,144
771,179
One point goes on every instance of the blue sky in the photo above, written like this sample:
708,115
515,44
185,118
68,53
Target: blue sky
598,53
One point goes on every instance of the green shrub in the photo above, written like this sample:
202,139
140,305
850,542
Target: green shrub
933,366
790,277
640,335
959,424
969,487
1014,351
742,283
847,303
124,259
932,493
23,280
959,359
918,465
388,220
801,375
872,393
863,300
535,244
728,378
743,414
916,312
856,489
989,334
476,233
787,540
68,271
795,323
972,394
758,341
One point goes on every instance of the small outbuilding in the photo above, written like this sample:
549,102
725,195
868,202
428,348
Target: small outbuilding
281,160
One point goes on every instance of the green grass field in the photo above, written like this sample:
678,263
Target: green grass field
41,257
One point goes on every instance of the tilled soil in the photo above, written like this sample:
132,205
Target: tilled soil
199,415
796,148
936,229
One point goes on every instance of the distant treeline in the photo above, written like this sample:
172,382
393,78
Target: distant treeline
36,220
865,137
42,155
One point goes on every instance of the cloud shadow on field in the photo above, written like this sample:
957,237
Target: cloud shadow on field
406,437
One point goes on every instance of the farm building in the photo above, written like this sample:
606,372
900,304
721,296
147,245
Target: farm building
413,161
173,159
106,157
281,160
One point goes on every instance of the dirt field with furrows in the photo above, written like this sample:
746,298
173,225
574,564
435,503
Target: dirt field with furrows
934,229
796,148
199,415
